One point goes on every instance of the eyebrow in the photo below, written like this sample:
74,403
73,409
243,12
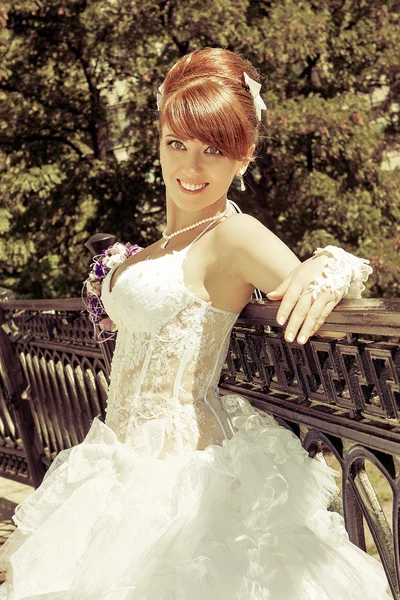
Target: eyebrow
176,136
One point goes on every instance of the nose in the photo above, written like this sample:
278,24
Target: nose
193,165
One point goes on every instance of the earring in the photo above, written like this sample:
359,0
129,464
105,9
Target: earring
242,186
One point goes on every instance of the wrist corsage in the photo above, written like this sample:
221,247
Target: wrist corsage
344,274
92,286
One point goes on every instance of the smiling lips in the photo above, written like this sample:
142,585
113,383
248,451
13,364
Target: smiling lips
193,188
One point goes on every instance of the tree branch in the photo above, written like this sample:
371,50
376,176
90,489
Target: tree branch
73,36
18,140
311,62
97,123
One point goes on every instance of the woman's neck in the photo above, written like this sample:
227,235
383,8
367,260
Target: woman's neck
177,218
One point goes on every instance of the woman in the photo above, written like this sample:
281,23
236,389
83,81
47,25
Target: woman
181,494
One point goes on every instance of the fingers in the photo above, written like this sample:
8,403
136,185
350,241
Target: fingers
297,317
309,320
306,315
314,331
289,301
280,290
314,321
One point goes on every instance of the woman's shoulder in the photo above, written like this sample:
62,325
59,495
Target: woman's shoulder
241,230
254,250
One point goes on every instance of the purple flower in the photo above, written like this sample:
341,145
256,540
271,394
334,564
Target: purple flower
97,313
133,249
99,270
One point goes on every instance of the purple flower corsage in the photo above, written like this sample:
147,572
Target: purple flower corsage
100,267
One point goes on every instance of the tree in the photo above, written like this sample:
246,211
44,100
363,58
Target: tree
78,80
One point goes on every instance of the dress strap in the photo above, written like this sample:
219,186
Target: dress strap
200,234
256,295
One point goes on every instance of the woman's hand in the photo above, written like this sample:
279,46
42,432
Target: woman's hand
305,312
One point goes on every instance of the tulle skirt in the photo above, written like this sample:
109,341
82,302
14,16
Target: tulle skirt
246,520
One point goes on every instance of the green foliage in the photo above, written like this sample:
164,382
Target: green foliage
78,80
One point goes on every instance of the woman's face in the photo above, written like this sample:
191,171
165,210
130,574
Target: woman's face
195,175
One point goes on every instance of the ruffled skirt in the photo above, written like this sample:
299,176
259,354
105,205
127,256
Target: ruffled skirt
246,520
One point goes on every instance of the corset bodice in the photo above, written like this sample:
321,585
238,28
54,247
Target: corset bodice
170,350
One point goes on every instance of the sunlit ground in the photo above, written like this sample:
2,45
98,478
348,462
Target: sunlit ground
11,494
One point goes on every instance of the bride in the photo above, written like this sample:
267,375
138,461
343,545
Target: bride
181,494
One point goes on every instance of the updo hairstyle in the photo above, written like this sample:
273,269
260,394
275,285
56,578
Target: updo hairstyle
205,98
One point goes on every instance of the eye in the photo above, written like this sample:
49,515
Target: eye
176,145
213,150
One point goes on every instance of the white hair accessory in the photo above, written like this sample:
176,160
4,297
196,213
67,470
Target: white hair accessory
255,92
344,274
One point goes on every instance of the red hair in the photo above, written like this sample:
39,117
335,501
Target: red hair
205,98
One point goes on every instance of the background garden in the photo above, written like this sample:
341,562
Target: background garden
78,127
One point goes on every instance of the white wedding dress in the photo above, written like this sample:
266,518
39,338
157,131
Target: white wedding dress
181,494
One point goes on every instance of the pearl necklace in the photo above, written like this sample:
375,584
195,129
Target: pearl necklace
167,237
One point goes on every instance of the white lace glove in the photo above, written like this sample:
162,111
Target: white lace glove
344,272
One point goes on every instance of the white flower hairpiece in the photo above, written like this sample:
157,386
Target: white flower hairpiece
254,91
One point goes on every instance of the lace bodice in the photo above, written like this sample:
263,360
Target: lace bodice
169,354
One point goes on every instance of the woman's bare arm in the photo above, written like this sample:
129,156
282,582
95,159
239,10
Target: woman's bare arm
261,259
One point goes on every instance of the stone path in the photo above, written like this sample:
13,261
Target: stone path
11,494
